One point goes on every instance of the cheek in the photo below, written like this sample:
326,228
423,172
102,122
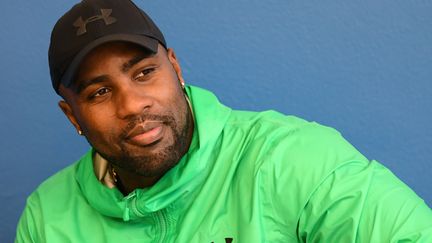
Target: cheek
176,100
173,103
98,125
179,111
170,95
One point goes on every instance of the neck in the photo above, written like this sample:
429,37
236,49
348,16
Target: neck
126,181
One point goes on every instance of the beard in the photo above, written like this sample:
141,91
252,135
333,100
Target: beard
153,164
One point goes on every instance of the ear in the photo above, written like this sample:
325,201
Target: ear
176,65
67,110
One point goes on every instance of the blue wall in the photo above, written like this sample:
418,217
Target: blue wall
363,67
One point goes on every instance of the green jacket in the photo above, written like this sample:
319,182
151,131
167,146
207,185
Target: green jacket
247,177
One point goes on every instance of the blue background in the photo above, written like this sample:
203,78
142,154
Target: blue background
363,67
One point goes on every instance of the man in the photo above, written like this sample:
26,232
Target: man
169,163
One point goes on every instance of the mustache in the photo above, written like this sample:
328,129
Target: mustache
140,119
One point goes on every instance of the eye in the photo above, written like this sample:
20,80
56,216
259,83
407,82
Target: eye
100,92
144,73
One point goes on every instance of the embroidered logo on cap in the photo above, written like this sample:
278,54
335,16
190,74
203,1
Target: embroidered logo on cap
82,24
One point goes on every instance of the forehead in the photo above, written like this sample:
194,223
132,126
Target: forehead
122,53
114,49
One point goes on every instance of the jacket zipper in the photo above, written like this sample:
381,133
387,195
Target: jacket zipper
163,224
160,215
131,206
134,207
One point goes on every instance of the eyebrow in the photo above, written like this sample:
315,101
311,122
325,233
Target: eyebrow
85,83
136,59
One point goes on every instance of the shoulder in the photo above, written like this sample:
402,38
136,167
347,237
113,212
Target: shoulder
288,157
58,191
304,152
293,140
54,191
297,153
50,197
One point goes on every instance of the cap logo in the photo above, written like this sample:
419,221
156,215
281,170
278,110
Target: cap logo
82,24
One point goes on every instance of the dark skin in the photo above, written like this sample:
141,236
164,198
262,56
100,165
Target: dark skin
130,106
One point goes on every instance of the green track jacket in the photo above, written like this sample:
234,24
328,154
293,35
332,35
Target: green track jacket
247,177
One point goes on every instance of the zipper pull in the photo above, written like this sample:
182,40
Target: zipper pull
126,216
126,211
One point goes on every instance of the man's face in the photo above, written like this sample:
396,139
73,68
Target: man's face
130,106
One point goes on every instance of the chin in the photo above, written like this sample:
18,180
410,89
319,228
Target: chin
150,164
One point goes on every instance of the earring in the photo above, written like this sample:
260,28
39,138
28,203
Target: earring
80,132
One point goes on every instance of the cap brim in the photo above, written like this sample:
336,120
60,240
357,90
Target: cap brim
142,40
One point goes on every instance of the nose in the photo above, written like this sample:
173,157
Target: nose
131,101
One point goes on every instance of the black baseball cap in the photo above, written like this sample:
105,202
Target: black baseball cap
91,23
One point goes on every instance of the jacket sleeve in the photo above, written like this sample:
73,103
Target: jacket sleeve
364,203
27,229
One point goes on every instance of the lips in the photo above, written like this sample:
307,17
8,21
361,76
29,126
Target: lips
146,134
